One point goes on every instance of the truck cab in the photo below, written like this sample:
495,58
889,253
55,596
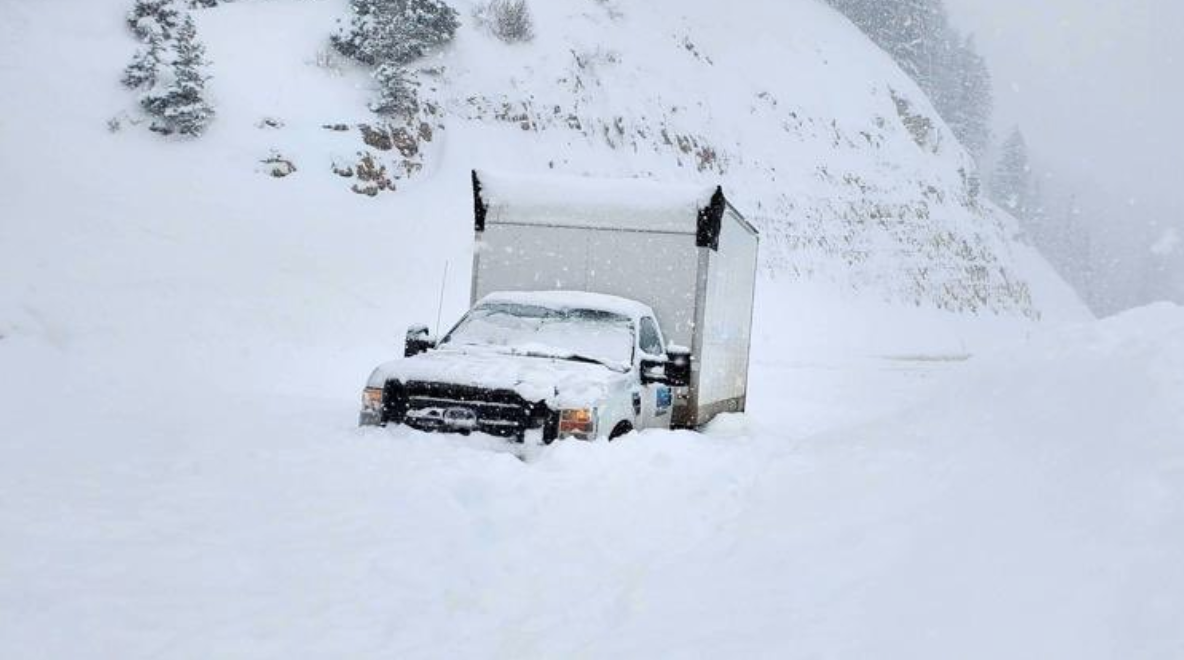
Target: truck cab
540,366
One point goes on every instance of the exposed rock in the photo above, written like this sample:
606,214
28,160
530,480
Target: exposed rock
405,142
425,131
922,128
372,176
278,166
378,137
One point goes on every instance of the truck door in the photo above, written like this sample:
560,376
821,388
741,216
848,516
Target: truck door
657,399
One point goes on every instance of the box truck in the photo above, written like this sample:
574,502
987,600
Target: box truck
599,306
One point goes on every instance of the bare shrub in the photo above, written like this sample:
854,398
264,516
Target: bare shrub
508,20
329,60
397,93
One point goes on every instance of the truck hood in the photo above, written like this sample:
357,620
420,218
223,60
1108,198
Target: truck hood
560,383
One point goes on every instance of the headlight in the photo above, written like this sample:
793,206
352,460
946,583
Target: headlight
372,398
577,423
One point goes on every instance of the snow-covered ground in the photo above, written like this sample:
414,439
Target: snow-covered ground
1025,503
183,340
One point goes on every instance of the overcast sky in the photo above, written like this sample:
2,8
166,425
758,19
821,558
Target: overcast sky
1098,89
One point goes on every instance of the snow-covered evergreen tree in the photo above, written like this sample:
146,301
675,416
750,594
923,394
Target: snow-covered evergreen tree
1071,246
159,17
396,92
144,69
396,31
349,40
966,97
1011,182
178,104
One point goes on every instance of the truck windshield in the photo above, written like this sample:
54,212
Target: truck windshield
533,330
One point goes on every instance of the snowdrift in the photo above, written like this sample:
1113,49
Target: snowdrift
1028,502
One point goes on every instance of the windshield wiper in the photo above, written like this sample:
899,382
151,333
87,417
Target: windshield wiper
573,357
585,359
611,366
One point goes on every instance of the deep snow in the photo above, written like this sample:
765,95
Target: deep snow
1027,503
182,343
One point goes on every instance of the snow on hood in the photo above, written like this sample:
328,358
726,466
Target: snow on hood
560,383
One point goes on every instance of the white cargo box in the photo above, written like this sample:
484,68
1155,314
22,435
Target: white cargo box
682,250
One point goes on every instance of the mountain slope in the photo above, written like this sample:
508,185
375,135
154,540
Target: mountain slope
860,190
818,135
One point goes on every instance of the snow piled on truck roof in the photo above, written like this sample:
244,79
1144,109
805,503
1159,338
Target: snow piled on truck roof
609,203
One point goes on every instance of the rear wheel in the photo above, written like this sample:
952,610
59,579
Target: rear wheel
619,430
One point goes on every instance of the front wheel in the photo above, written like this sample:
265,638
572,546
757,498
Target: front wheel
622,429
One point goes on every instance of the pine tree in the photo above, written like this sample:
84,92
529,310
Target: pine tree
964,97
180,105
1072,249
396,31
396,92
348,41
144,69
1065,239
159,17
1011,184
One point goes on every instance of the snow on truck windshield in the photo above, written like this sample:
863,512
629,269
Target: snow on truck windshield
537,331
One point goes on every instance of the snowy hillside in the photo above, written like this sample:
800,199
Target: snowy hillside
133,237
820,139
818,136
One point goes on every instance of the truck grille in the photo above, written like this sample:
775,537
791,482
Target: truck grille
461,408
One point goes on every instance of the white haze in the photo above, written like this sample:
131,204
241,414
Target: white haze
1095,87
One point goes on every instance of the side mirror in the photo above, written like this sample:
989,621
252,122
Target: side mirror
678,366
418,341
674,371
653,371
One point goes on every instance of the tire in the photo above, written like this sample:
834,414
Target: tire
624,428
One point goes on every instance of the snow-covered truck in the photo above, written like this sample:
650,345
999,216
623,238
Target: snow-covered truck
598,307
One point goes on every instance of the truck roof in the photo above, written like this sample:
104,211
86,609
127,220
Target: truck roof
635,204
567,300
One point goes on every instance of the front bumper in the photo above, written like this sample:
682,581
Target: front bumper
447,408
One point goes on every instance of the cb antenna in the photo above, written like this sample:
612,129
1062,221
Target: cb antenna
440,308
